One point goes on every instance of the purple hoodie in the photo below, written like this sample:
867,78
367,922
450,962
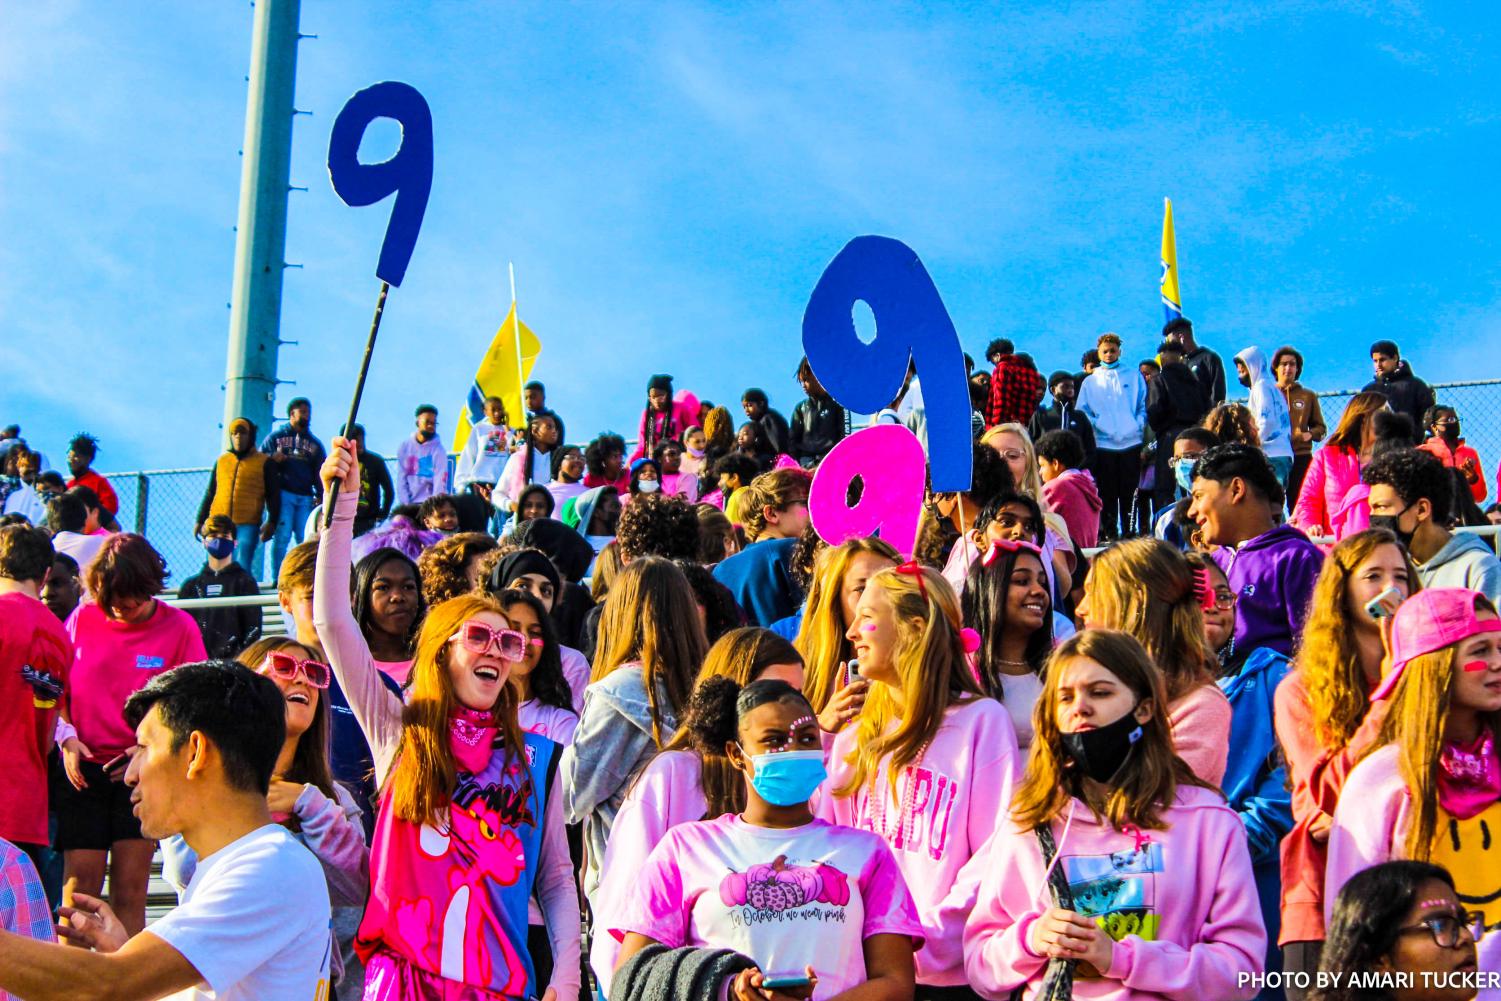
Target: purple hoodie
1272,575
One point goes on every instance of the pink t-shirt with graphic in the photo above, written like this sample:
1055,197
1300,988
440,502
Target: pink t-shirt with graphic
112,660
788,898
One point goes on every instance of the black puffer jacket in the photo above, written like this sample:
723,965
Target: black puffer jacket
1406,392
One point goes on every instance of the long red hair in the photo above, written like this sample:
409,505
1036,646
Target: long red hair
423,779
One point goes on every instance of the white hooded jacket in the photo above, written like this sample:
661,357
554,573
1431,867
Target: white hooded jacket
1273,421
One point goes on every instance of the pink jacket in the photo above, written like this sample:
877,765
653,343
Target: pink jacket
669,792
1333,471
946,807
1318,780
1201,731
1181,904
1075,497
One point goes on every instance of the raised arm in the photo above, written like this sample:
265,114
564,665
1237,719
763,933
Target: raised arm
375,707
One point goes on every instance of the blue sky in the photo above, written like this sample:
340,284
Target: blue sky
670,180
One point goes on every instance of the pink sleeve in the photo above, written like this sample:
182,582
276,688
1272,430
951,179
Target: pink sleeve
376,708
557,895
829,806
1311,512
889,908
657,906
664,796
1200,722
996,958
191,649
1366,822
1231,942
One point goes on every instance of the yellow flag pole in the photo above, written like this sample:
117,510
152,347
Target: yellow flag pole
516,333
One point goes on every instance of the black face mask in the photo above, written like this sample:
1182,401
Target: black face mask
1451,432
1389,522
1100,753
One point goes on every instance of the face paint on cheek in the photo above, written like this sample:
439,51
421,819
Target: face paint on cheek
871,627
1475,665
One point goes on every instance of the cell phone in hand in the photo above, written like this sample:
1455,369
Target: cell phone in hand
851,672
782,981
1376,607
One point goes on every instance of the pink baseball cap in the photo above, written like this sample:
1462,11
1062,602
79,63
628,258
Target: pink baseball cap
1428,621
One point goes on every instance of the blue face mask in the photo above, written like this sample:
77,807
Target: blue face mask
1110,364
1182,472
788,778
218,547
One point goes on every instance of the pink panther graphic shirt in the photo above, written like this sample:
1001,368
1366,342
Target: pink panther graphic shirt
788,898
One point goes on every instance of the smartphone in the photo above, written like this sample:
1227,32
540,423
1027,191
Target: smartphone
784,980
1376,607
851,672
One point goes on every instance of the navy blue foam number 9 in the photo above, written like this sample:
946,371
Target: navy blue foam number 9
409,172
911,324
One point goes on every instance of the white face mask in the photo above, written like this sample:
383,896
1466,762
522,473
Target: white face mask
647,486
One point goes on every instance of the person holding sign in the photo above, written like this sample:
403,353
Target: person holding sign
470,823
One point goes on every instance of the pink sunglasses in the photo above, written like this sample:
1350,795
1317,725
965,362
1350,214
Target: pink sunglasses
480,637
287,668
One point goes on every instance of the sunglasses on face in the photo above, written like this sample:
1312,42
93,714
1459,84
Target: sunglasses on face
480,638
286,667
1445,928
1012,454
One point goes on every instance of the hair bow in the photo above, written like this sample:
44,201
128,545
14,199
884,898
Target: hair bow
1010,546
912,568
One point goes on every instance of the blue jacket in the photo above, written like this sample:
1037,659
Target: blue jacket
304,453
1256,786
1272,576
758,578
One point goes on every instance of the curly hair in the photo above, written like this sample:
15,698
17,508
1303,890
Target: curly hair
719,431
443,567
658,525
1232,422
600,449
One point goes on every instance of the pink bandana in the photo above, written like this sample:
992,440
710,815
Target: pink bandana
1469,778
471,737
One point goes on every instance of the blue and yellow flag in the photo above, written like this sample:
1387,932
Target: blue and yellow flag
497,376
1172,301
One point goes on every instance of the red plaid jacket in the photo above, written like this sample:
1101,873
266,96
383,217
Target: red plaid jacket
1015,392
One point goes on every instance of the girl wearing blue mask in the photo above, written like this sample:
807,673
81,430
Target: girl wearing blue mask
822,910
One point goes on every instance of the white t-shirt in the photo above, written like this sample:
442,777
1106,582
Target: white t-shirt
254,921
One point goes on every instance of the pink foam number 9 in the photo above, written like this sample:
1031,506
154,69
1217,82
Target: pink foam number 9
889,460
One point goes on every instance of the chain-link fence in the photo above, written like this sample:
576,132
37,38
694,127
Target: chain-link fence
163,504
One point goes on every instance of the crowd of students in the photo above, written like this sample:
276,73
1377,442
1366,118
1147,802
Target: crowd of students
611,720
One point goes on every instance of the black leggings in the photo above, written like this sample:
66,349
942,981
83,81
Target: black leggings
959,993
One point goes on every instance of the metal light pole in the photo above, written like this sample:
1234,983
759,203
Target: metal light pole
261,237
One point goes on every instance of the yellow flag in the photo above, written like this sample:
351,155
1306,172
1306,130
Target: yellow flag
1172,301
497,376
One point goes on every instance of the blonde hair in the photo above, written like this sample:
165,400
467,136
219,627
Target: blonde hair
1415,723
737,504
820,638
776,489
1149,778
1327,658
1146,588
719,431
651,619
422,781
606,568
929,659
1031,483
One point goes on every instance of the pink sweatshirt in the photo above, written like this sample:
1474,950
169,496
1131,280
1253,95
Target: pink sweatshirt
1181,905
1370,827
1200,722
668,792
946,806
379,714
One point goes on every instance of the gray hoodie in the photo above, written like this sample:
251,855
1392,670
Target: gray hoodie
613,742
1465,561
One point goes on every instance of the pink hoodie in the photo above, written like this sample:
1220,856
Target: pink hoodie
1370,825
669,792
1075,497
1201,731
1181,904
947,806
